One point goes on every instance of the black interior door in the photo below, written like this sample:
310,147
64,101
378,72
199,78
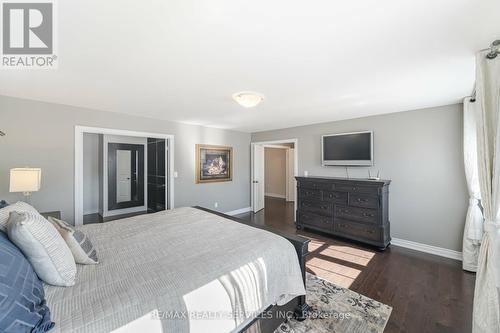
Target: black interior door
156,175
125,175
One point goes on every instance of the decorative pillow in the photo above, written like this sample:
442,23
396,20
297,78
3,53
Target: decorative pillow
17,207
22,298
44,247
3,203
80,245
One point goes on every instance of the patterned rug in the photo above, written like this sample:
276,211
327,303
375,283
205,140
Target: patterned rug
338,310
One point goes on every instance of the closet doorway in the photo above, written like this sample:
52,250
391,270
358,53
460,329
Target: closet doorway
273,169
120,173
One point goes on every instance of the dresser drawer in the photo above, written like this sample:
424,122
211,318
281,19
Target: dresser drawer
315,220
356,188
323,208
315,185
356,230
357,214
305,194
336,197
363,200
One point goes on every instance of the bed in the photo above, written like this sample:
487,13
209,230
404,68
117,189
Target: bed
183,270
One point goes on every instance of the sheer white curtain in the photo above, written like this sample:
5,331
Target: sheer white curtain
486,317
473,231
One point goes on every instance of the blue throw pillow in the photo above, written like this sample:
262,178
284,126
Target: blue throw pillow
3,203
22,298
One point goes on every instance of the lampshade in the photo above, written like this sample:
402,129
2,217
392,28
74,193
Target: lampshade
25,179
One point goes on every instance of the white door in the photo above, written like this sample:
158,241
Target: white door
290,175
257,177
123,175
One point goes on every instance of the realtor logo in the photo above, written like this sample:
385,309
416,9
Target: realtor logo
28,35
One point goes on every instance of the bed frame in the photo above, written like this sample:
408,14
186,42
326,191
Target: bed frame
272,317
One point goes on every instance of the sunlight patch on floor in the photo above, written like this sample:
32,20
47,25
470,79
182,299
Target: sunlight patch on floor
340,275
340,264
342,252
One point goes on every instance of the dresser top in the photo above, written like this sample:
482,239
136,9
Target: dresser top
343,179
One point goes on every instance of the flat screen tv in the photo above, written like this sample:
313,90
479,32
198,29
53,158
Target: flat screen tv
354,149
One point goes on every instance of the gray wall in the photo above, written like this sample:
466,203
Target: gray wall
420,151
91,173
42,135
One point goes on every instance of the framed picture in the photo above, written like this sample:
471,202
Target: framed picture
214,164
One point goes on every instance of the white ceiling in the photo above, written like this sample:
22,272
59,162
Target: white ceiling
314,61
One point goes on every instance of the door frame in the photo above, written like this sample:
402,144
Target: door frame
78,186
270,144
113,185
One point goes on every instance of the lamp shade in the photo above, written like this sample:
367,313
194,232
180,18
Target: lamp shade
25,179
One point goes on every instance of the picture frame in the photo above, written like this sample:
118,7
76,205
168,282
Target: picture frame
213,163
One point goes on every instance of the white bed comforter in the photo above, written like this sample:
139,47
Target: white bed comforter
183,270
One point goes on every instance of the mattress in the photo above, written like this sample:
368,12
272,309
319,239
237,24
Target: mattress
183,270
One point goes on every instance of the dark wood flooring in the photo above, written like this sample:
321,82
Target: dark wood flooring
428,293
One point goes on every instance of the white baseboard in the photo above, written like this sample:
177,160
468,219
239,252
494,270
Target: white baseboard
239,211
275,195
439,251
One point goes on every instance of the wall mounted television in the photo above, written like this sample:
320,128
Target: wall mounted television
347,149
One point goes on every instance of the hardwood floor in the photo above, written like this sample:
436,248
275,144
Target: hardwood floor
428,293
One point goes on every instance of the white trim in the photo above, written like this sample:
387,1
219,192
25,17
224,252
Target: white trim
276,146
239,211
438,251
296,165
291,188
275,195
78,190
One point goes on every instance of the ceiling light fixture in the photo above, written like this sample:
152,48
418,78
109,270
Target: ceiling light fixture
248,99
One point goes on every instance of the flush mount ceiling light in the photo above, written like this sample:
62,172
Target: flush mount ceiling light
248,99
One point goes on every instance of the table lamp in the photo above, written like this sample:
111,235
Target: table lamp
25,180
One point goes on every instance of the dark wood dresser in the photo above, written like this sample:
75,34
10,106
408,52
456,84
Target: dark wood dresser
357,209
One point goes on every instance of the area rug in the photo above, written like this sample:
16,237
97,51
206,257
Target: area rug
338,310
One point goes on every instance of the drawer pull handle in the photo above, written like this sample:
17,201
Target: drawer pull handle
368,215
370,231
362,200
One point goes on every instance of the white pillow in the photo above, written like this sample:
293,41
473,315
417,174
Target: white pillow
44,247
17,207
80,244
